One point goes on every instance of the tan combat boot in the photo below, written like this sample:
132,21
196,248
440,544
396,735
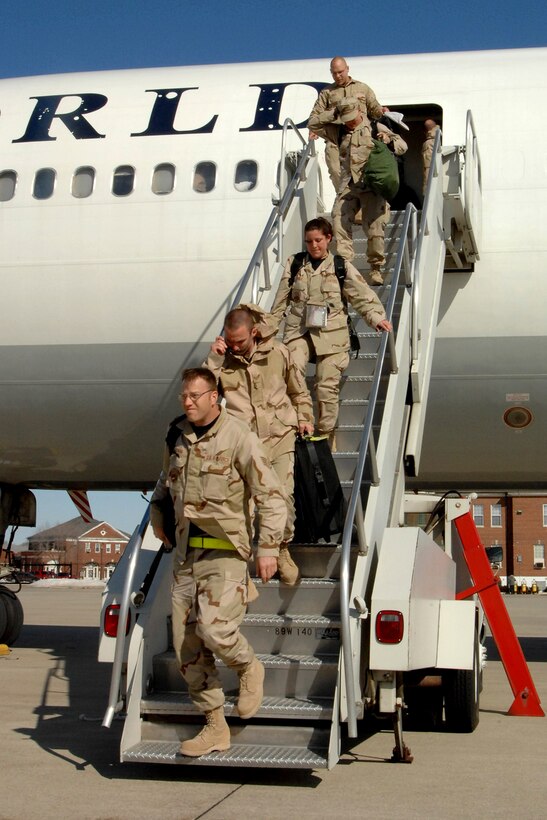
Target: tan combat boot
214,737
376,277
288,571
251,689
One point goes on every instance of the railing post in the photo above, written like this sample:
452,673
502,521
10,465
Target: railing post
114,702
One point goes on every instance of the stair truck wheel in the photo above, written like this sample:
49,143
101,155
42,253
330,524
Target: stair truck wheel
461,688
14,616
3,619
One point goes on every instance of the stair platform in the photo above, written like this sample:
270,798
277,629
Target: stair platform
258,756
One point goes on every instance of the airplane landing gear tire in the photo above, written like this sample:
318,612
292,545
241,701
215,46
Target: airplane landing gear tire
10,605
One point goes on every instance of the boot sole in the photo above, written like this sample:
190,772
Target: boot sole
216,747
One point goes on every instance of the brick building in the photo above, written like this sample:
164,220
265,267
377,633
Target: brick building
513,528
75,548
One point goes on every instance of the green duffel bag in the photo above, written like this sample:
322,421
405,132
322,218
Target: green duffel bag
380,173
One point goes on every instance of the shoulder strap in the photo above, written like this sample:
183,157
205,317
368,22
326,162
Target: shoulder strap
296,264
173,433
340,269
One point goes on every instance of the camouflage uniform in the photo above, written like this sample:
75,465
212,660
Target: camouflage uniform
268,393
355,148
211,481
320,120
329,346
427,153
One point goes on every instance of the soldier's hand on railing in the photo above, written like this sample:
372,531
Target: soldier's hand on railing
312,136
384,325
161,536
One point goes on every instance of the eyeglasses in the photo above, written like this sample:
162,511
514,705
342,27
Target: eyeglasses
193,397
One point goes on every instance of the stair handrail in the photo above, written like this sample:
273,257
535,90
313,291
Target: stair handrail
134,548
274,224
426,213
408,233
473,173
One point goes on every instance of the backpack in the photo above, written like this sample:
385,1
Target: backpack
166,504
340,270
381,174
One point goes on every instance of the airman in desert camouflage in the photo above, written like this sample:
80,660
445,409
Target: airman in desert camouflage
263,387
430,128
212,467
320,119
324,338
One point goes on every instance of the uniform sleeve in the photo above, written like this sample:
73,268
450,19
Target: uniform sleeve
161,491
268,495
282,297
362,297
399,145
322,124
321,104
214,362
374,109
298,392
395,142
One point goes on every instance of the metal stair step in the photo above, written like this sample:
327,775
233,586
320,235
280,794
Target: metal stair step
287,675
314,596
278,708
292,633
280,757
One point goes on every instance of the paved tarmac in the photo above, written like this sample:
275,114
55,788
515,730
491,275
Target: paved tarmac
57,760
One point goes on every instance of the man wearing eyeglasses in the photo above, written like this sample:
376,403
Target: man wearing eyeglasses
212,467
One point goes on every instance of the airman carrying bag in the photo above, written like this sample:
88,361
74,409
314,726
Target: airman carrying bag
381,174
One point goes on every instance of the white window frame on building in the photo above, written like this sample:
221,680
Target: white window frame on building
539,556
108,571
97,548
478,515
87,546
495,515
91,572
545,515
108,548
117,547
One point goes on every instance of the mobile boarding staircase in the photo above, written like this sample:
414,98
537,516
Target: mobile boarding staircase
325,665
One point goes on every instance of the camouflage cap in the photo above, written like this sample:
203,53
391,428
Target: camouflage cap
348,109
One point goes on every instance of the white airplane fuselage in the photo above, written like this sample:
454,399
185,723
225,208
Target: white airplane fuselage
105,298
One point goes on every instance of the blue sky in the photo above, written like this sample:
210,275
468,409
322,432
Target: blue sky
49,36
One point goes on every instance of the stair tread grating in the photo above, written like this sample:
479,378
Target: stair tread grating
277,707
280,661
286,757
265,619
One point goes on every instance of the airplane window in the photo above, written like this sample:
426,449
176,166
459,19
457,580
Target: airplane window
124,179
83,181
8,181
44,183
204,177
246,175
163,180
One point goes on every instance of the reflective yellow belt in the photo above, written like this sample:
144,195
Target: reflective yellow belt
207,543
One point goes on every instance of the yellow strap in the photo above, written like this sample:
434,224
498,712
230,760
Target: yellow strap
207,543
